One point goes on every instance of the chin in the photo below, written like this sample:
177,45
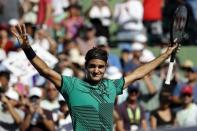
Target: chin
96,80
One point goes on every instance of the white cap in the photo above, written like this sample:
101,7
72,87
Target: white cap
74,56
101,40
147,56
140,38
188,64
113,72
13,22
35,91
12,94
136,46
67,72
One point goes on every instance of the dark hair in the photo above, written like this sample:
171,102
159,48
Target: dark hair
96,53
5,74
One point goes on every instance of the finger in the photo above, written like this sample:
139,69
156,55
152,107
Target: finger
175,40
23,29
175,46
18,28
14,32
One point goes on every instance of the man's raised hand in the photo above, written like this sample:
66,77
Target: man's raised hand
20,33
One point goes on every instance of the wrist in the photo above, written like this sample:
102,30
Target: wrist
29,52
24,47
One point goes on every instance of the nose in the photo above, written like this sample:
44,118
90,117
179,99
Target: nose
96,69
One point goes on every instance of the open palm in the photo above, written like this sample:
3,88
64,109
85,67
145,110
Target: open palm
20,33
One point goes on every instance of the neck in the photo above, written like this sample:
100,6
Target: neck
132,102
92,82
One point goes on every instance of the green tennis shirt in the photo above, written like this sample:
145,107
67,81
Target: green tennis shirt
91,106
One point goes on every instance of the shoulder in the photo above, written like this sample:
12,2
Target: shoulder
122,107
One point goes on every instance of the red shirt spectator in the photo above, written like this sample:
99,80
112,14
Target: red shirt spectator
44,12
74,22
152,9
6,44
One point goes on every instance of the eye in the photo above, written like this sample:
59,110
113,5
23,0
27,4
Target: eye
91,66
101,66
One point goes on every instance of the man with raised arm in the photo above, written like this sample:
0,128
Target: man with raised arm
91,100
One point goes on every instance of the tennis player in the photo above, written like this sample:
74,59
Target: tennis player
91,100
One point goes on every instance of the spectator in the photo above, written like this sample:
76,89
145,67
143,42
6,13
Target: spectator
191,79
44,16
191,30
51,100
130,23
126,58
64,122
100,15
132,115
5,43
88,41
153,19
58,8
163,117
187,116
36,117
11,117
4,81
43,39
150,87
29,11
74,22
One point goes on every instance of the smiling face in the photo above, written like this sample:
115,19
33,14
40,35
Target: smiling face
95,70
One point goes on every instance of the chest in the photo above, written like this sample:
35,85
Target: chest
92,97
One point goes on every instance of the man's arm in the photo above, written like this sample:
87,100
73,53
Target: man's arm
20,33
143,70
46,72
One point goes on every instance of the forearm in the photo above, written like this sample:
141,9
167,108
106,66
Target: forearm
147,68
14,114
144,125
150,86
143,70
26,122
120,125
42,67
49,124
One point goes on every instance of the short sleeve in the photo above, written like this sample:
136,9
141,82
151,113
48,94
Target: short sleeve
119,84
67,85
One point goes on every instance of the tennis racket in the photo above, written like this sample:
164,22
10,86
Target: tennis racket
177,33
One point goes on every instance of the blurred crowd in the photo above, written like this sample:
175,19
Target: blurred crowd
62,31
